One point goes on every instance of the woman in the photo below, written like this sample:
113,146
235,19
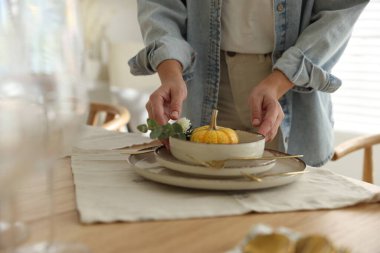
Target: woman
264,65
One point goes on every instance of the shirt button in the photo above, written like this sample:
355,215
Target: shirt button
280,7
231,54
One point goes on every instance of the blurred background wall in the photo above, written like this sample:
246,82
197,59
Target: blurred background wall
112,38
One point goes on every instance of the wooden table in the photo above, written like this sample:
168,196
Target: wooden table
355,227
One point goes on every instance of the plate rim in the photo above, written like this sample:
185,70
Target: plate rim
183,180
200,170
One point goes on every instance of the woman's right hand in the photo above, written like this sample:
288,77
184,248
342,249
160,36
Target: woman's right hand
165,103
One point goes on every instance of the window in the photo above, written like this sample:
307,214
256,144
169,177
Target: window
357,102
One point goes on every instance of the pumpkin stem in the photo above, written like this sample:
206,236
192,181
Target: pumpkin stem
214,116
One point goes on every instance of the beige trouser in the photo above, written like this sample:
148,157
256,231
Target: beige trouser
239,74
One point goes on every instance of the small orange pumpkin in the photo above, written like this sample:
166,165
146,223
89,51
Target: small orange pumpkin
214,134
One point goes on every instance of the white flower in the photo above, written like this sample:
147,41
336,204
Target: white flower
184,123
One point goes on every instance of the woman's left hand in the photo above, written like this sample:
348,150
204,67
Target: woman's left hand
266,111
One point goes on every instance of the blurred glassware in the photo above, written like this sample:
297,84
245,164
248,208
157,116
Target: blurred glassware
55,53
21,147
49,66
21,132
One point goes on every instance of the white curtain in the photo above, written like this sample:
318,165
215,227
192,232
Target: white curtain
357,102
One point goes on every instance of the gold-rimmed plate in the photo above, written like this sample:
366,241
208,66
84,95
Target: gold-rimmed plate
233,169
147,166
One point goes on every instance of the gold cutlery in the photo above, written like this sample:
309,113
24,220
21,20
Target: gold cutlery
219,164
136,152
140,148
259,178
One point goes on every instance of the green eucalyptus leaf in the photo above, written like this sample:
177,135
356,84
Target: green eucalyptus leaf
163,137
156,132
152,124
167,131
166,127
181,136
177,128
142,128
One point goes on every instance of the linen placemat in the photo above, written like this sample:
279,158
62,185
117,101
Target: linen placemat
108,190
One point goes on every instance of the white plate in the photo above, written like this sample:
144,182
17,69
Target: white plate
250,145
233,169
146,165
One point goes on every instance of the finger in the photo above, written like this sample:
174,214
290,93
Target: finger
176,100
256,110
166,111
148,108
269,119
265,128
157,103
272,134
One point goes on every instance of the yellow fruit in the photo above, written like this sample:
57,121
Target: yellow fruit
214,134
269,243
315,244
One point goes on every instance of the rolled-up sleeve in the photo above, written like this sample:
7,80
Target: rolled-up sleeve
308,63
163,27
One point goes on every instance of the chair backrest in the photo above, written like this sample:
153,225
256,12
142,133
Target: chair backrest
361,142
107,116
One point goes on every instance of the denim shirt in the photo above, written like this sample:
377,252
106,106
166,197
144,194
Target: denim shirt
310,36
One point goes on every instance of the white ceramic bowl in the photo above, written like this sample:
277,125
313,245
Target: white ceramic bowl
250,145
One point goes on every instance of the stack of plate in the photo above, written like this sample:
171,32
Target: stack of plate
161,166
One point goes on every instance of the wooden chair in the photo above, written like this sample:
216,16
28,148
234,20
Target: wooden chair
110,117
361,142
